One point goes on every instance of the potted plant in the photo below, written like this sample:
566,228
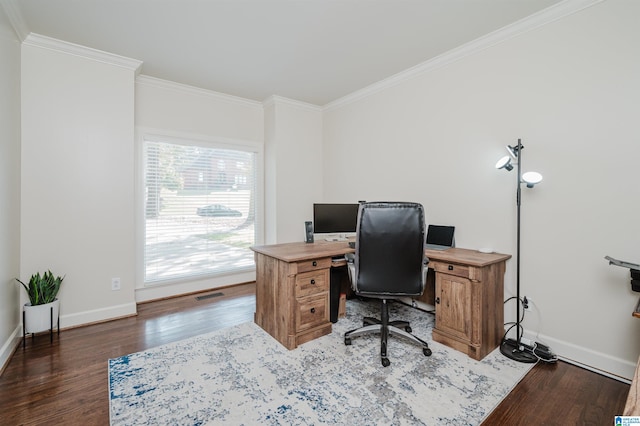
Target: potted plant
43,307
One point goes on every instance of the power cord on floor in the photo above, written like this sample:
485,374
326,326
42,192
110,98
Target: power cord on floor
540,351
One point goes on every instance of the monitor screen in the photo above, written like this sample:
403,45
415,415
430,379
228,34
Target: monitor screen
335,218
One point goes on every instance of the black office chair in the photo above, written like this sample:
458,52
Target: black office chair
389,263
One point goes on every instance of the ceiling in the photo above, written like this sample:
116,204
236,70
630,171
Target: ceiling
315,51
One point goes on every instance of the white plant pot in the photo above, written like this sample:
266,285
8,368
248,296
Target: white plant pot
38,318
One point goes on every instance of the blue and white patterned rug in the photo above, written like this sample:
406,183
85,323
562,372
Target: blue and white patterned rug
242,376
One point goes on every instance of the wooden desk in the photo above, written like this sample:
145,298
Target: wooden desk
292,294
469,299
292,289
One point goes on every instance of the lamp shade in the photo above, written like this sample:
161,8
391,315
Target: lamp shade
504,163
531,178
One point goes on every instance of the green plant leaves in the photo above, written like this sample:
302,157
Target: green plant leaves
42,289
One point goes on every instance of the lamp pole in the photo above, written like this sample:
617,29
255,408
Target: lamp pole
510,348
518,204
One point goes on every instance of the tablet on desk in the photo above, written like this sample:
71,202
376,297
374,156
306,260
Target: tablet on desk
440,237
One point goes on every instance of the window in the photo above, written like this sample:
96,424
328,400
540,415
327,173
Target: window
199,210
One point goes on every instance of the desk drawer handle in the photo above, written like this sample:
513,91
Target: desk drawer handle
313,310
313,282
314,263
451,267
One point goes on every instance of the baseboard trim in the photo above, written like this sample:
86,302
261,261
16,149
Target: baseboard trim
9,347
98,315
598,362
595,370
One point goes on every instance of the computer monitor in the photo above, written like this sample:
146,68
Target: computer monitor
337,220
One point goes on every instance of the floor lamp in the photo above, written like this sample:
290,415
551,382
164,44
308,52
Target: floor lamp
513,348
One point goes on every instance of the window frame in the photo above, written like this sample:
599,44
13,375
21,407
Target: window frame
155,135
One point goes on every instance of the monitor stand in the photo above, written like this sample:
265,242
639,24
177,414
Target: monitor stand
336,237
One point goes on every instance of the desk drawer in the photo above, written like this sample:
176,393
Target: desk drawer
313,282
451,269
312,311
314,264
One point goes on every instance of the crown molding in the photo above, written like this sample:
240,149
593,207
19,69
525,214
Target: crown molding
15,18
275,99
45,42
544,17
192,90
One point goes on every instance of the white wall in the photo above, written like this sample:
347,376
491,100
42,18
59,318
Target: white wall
570,90
184,112
293,139
9,188
77,175
180,109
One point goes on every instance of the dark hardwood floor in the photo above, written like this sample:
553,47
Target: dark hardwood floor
561,394
65,383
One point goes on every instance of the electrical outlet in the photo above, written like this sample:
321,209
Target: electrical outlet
526,303
115,284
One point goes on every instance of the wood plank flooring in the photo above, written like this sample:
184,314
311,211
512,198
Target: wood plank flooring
65,383
561,394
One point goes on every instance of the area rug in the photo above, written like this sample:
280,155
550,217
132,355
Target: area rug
242,376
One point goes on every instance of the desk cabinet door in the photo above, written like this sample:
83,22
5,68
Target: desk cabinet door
453,305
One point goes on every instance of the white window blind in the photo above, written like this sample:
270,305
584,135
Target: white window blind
199,210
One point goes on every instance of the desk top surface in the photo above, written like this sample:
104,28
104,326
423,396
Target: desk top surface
299,251
294,252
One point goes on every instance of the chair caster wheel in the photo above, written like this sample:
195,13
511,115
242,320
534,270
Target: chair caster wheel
426,351
386,362
407,329
347,341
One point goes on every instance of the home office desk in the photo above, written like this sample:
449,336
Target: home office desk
292,294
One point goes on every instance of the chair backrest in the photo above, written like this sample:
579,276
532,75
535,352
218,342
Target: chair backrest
390,242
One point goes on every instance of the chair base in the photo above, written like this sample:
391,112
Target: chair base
385,327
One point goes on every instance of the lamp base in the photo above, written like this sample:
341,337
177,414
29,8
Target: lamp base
510,349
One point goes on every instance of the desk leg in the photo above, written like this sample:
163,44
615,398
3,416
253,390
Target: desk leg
335,287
